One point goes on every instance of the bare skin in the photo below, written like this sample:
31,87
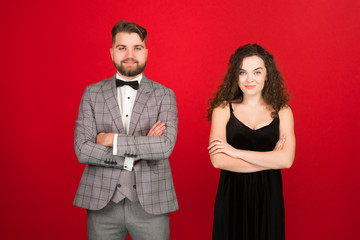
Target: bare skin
254,113
281,157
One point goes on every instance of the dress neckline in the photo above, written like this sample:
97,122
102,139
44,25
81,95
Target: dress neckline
267,125
250,127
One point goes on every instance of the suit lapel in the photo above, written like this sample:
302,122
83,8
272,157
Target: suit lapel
141,99
110,95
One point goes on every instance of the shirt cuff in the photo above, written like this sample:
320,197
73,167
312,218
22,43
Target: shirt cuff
115,144
128,163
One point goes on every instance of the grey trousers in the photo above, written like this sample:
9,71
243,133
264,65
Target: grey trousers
117,220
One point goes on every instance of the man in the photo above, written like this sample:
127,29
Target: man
125,132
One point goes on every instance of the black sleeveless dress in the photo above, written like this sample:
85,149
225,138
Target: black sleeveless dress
250,205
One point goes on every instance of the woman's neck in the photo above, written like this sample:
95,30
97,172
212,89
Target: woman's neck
254,100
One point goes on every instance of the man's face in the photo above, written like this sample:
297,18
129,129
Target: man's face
129,55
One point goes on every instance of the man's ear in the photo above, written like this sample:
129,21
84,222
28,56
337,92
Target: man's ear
112,53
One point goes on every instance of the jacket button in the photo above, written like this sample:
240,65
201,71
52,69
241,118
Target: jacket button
134,186
119,185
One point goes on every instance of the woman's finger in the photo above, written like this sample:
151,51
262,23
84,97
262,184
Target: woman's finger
216,139
215,147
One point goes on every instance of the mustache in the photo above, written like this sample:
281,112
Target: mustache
129,60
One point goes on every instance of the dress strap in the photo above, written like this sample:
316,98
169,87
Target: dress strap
230,106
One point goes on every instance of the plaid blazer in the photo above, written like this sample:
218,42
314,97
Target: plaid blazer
99,112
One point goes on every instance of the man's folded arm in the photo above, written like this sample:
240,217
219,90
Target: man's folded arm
87,151
153,147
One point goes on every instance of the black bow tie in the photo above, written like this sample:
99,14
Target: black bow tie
133,84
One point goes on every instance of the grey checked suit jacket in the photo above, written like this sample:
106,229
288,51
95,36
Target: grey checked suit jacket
99,112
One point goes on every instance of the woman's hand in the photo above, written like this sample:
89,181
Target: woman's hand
280,144
218,145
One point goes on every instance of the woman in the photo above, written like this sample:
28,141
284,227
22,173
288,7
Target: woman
251,139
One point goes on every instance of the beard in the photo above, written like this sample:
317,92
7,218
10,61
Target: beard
130,73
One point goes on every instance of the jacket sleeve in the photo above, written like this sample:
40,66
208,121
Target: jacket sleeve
86,149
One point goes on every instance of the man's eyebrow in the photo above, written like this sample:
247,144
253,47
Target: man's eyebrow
122,45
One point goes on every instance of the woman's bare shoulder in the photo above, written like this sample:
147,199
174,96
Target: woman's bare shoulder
286,116
224,106
285,110
221,111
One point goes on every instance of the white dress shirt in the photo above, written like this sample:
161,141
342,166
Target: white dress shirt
126,98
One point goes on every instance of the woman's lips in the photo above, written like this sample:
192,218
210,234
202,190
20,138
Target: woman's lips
250,86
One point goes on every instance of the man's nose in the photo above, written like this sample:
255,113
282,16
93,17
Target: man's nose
129,53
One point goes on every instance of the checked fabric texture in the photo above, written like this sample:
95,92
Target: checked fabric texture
99,112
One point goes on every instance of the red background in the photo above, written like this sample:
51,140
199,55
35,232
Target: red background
51,50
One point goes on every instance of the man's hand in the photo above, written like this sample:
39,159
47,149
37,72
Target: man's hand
157,129
105,139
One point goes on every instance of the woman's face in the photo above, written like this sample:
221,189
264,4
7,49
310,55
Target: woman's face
252,75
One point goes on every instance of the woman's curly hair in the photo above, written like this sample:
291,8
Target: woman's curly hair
274,92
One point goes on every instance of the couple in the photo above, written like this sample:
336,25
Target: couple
126,130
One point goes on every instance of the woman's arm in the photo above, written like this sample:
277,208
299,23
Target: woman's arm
219,119
276,159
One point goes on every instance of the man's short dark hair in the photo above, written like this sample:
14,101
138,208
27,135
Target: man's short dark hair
128,27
